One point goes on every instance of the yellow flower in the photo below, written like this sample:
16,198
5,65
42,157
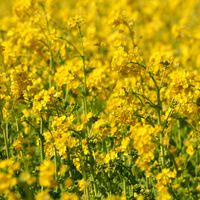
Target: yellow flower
69,182
116,198
26,177
46,175
69,196
75,22
164,194
163,178
44,195
82,184
13,196
7,181
20,81
18,143
140,197
124,144
110,156
189,147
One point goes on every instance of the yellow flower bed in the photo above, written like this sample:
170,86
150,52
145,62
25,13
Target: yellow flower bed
99,99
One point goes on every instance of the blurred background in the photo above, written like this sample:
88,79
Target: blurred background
5,7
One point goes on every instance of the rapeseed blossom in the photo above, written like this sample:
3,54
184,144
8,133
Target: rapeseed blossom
99,100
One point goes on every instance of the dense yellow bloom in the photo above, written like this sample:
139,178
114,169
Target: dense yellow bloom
163,179
60,137
144,137
9,164
165,176
69,75
99,99
44,99
7,175
126,63
20,82
7,181
3,88
46,176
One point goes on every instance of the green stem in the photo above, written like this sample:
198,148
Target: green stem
159,109
84,88
131,33
179,134
41,140
124,180
197,161
85,110
5,140
41,144
147,182
55,155
17,126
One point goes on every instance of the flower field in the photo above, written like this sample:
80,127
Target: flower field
100,100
